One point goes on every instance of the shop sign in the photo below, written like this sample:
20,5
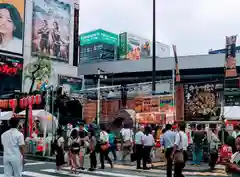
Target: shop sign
10,66
202,101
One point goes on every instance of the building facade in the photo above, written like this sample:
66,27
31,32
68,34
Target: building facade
202,79
98,45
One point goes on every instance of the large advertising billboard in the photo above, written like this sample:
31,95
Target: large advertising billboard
98,36
133,47
202,101
10,74
12,26
51,29
71,85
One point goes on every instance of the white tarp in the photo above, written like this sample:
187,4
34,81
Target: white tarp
6,115
232,112
45,119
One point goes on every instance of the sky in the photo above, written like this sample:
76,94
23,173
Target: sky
194,26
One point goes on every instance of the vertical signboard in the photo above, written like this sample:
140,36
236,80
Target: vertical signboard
76,35
51,29
123,45
12,26
230,65
177,72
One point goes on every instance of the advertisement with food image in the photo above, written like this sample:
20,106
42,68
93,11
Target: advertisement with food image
12,26
202,101
51,28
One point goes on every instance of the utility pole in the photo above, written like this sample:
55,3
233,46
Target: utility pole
154,50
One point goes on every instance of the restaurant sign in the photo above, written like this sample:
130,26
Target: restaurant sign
202,101
10,66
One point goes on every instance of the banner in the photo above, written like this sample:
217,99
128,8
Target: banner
76,35
230,65
71,85
12,26
202,101
177,72
51,29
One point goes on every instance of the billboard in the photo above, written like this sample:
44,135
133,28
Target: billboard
51,29
10,74
202,101
134,47
71,85
99,36
12,26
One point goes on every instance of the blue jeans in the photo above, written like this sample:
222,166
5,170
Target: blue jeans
197,156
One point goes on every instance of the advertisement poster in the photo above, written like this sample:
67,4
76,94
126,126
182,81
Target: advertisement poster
10,74
71,85
202,102
51,29
12,26
133,47
230,65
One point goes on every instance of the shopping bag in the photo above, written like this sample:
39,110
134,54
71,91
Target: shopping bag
133,157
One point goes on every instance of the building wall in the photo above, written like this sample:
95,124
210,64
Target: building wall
58,67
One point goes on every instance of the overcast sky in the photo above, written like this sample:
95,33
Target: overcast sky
195,26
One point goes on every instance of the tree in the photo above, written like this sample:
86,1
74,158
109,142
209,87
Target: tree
38,70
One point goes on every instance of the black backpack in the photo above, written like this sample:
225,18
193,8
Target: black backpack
75,147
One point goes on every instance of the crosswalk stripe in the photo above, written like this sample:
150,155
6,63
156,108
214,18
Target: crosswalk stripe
29,164
67,173
96,173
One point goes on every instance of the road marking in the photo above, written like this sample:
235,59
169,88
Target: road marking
29,164
67,173
94,173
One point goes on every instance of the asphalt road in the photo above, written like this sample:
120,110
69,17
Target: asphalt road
47,169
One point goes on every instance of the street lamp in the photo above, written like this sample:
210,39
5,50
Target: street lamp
154,50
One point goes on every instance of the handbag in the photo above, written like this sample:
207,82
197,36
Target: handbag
104,146
179,156
133,157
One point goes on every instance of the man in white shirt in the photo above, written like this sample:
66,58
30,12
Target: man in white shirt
167,142
139,145
13,147
180,145
127,139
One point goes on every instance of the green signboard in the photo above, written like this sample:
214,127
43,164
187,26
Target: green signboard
99,36
123,45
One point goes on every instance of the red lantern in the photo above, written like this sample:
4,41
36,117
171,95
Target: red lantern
38,99
21,103
5,103
33,99
30,102
25,102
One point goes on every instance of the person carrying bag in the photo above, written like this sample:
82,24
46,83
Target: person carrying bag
177,154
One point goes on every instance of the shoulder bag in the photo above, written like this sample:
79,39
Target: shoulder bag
178,156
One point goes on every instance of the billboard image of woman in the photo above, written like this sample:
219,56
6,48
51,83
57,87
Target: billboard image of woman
51,29
11,26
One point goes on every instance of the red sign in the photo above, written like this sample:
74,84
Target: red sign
10,70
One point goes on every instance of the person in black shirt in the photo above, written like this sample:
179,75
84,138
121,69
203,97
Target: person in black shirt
83,143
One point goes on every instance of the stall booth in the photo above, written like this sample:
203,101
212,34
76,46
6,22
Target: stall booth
43,127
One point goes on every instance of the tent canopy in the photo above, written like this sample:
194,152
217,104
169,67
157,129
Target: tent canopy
231,112
6,115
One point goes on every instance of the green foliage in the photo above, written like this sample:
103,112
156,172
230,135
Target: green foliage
38,70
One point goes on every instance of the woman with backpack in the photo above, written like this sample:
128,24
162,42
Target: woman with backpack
74,144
